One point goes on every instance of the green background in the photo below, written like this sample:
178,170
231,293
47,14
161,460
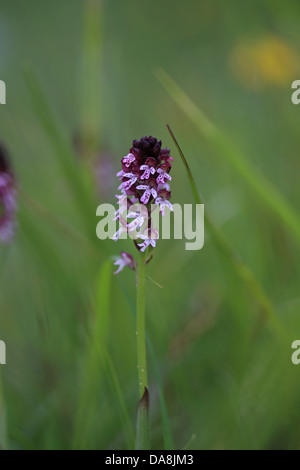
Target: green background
82,83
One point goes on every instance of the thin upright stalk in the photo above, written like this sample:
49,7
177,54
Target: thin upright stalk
141,325
242,270
142,425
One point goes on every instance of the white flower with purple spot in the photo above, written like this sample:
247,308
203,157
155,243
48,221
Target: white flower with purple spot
148,170
132,179
162,175
162,204
147,193
137,222
149,240
128,159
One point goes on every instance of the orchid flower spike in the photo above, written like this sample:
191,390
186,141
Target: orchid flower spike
144,180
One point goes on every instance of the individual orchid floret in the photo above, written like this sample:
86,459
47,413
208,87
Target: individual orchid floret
162,176
139,220
148,171
132,179
148,192
150,238
125,260
128,159
117,235
162,200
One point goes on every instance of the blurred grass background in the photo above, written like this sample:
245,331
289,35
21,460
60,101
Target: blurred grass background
81,85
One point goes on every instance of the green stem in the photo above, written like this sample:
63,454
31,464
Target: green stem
142,428
141,325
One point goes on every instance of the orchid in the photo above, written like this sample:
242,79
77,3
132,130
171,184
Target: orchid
144,187
144,179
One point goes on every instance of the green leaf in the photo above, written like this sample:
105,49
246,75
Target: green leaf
261,186
90,90
167,434
241,269
93,366
75,175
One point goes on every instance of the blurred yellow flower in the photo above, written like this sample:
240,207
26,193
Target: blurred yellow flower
267,61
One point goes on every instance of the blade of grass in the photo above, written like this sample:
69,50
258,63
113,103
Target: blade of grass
98,362
57,222
262,187
167,434
90,78
93,362
241,269
154,282
74,174
188,446
116,388
41,248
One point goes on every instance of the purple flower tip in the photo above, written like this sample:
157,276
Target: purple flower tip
8,204
145,169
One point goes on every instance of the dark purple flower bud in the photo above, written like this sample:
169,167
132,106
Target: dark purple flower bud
166,167
136,144
164,156
156,150
151,162
152,141
7,198
148,147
